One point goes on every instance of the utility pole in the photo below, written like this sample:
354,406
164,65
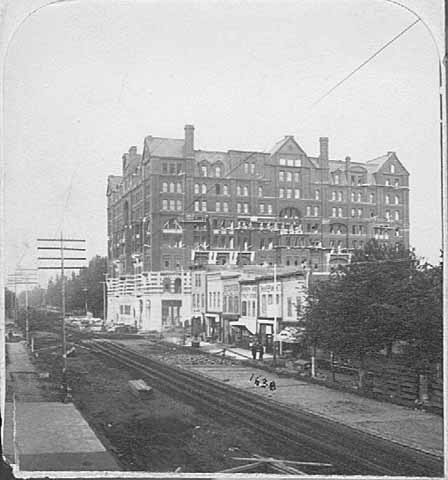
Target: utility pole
64,245
23,276
274,343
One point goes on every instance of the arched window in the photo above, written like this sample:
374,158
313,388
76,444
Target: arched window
387,198
218,171
336,179
164,186
246,191
178,285
172,187
392,168
203,170
397,199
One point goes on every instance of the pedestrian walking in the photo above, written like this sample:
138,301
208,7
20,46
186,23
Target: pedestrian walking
264,383
260,351
253,349
257,381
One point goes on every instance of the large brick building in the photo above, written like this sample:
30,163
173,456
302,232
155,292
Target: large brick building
175,206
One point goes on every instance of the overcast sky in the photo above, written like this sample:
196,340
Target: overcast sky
86,80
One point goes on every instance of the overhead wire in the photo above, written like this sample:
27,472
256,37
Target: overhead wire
364,63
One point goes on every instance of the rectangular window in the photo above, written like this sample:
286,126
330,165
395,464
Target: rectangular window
296,177
218,206
340,211
218,189
270,299
289,300
246,191
172,168
288,176
238,207
298,162
260,191
269,208
164,204
289,193
261,207
281,176
204,205
172,205
238,190
179,204
282,161
196,206
164,168
225,190
296,193
281,193
225,207
246,208
290,162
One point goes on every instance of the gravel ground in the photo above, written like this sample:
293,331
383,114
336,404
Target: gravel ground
158,433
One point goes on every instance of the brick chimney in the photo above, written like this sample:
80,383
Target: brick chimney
323,153
348,161
189,141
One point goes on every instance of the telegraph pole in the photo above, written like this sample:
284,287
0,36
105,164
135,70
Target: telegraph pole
274,343
23,276
64,245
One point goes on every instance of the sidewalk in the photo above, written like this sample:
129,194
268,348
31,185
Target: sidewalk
217,348
413,428
42,435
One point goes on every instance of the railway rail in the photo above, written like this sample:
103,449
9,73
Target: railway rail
305,436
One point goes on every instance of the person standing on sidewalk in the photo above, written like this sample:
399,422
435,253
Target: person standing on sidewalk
253,349
261,351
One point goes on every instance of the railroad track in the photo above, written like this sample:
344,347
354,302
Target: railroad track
306,437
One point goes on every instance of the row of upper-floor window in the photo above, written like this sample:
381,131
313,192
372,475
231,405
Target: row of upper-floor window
359,212
358,197
288,177
243,190
172,204
337,179
172,187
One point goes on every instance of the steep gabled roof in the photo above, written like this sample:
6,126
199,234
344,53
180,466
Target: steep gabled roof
165,147
281,143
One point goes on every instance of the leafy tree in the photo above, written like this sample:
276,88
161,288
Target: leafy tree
363,307
424,328
86,285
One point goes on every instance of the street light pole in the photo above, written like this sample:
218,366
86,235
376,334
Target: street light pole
85,290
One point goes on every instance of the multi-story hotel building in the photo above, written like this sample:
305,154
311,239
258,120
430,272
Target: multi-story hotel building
176,206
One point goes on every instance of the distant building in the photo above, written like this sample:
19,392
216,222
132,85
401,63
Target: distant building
175,206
